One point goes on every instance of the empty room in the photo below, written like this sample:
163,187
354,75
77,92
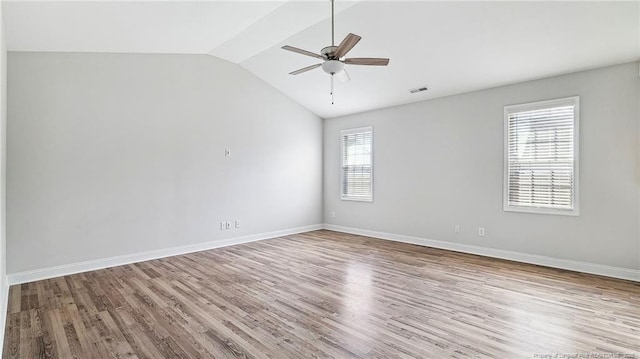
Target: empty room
319,179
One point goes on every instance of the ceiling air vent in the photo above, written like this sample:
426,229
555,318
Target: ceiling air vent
419,89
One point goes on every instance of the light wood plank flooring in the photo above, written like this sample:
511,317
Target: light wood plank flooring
324,295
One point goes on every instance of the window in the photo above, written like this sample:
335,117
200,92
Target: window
541,157
357,160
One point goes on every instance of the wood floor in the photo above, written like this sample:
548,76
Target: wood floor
324,295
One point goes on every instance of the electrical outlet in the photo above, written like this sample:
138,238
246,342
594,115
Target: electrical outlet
223,226
237,224
228,225
457,228
481,231
333,214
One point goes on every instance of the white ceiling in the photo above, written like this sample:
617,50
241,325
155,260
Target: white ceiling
452,47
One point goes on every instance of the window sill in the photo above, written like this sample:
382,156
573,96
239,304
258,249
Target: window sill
356,199
538,210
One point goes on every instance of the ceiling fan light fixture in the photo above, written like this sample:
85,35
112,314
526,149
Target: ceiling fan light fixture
332,67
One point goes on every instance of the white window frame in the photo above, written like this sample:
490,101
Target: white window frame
342,134
575,101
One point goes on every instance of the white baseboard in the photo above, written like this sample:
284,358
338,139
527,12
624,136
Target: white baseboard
66,269
585,267
57,271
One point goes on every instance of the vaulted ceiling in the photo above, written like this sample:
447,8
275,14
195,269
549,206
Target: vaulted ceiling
451,47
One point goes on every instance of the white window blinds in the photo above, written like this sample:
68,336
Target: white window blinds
541,157
357,160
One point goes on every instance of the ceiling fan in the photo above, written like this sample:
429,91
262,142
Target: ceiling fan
332,56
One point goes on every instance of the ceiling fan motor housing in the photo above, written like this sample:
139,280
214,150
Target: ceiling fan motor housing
328,52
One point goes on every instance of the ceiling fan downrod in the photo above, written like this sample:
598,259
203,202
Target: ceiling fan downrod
333,31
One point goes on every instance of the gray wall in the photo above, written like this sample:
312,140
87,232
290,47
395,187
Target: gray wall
112,154
439,163
3,167
117,154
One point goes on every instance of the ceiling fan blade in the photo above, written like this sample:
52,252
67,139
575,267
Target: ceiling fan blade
343,76
369,61
301,51
346,45
305,69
